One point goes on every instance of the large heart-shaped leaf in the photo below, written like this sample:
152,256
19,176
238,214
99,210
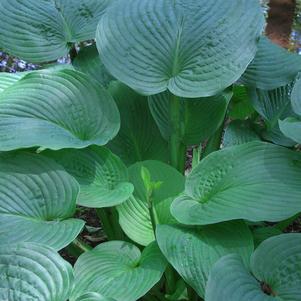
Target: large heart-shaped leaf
272,67
42,31
255,181
274,273
118,270
88,61
34,272
8,79
193,251
37,201
55,110
157,45
102,176
134,215
139,138
199,118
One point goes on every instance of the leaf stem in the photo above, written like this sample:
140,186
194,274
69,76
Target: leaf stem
177,147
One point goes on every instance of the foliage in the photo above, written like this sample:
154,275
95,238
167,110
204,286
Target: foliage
148,80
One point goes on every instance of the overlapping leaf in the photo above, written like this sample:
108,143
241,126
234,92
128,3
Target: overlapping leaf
134,215
274,273
200,118
43,31
34,272
291,126
193,251
239,132
255,181
139,138
88,61
118,270
273,106
55,110
102,176
272,67
157,45
37,201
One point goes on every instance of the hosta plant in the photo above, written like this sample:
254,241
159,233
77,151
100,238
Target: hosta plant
149,81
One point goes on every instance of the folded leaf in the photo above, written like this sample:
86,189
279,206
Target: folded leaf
118,270
37,201
34,272
193,251
139,138
200,118
255,181
102,176
272,67
43,31
57,109
157,45
134,215
274,273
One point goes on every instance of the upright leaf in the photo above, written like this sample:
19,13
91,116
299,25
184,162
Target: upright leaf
55,110
274,273
88,61
291,126
158,45
193,251
34,272
273,105
139,138
272,67
255,181
118,270
134,214
200,118
43,31
102,176
37,201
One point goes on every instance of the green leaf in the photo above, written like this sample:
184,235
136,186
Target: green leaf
34,272
255,181
102,176
193,251
8,79
200,118
118,270
240,105
93,297
296,98
57,109
134,215
291,127
274,273
88,61
139,138
37,201
43,31
263,233
239,132
154,46
272,67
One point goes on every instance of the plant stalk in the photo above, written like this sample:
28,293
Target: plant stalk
177,147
